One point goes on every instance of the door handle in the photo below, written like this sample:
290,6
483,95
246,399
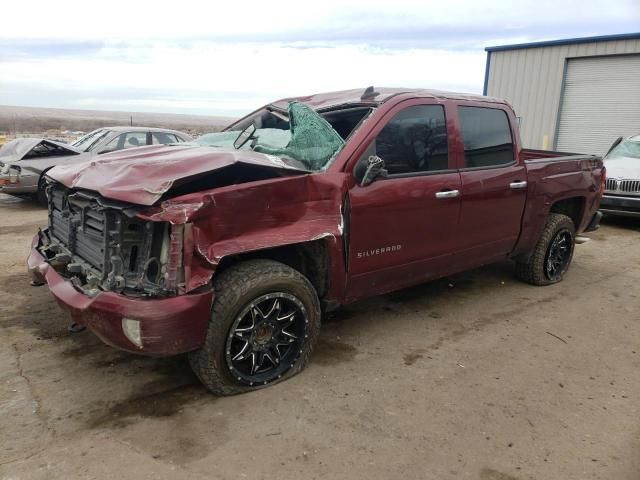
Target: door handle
518,185
448,194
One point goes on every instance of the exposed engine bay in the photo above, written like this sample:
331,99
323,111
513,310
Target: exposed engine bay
101,245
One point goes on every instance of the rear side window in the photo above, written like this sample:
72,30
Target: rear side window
414,140
127,140
163,138
487,137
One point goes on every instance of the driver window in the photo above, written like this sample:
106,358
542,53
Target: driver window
414,140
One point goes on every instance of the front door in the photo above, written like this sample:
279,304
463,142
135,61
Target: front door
401,225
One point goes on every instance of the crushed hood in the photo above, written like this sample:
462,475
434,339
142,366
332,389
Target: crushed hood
143,175
17,149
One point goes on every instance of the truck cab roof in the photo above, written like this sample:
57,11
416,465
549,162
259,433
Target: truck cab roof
376,96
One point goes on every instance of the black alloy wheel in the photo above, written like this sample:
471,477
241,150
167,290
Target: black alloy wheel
266,338
559,255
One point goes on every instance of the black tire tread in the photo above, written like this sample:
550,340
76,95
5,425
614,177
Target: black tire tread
229,288
532,271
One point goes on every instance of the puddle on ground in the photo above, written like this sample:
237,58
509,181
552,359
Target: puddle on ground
162,403
332,351
412,357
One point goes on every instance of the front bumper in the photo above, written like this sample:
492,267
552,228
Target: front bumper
627,206
168,326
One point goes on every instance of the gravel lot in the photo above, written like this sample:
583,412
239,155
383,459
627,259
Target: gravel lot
473,377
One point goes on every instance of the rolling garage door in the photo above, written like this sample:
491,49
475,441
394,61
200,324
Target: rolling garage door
600,102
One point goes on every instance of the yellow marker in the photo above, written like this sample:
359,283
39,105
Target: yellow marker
545,142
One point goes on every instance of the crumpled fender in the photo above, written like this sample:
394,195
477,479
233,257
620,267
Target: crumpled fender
245,218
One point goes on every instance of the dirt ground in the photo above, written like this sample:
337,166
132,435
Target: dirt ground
473,377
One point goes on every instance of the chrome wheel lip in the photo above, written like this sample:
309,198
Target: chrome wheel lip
289,357
558,256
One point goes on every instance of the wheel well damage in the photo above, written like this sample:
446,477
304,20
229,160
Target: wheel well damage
309,258
571,207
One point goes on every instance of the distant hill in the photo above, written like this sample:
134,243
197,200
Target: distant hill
20,120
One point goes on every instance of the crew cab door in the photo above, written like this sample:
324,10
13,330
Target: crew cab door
494,187
401,225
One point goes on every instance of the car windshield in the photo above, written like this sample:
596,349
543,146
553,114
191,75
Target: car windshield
86,143
272,137
627,148
301,135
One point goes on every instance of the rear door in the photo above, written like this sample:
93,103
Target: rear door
401,226
494,186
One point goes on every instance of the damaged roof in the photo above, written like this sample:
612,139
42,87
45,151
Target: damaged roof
330,100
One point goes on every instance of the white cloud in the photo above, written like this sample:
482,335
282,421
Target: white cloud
247,74
230,57
124,19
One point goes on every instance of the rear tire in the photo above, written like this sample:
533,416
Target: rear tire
552,255
264,313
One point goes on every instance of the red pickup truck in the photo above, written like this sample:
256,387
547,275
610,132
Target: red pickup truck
232,249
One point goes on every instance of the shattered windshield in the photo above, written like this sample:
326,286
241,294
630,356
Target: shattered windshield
271,137
300,136
315,139
628,148
313,142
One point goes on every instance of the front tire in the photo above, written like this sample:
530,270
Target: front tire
552,254
265,320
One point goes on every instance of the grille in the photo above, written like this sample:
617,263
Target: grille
632,186
612,184
80,227
623,186
96,242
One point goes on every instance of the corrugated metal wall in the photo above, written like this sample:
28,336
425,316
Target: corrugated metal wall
531,80
601,102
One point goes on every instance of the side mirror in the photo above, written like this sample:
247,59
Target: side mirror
374,168
614,145
244,136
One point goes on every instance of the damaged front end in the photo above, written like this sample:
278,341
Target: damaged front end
101,245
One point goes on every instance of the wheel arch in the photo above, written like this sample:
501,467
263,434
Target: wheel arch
311,258
572,207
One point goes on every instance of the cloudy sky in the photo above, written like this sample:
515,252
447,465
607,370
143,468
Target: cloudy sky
207,58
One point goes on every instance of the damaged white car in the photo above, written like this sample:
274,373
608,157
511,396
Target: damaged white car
24,161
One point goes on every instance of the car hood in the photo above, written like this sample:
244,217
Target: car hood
623,167
143,175
17,149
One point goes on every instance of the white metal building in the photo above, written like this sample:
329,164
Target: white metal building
574,95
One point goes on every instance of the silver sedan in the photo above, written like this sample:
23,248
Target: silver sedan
24,161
